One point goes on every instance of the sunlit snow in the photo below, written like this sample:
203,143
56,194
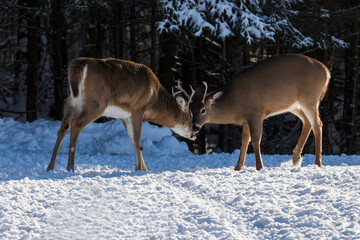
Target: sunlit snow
183,196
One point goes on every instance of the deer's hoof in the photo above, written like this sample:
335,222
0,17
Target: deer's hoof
318,163
50,167
69,168
237,168
144,169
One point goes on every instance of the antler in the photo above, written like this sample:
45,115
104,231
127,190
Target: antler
178,87
191,96
181,90
206,88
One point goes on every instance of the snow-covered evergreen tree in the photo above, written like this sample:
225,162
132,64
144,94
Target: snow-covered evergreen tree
250,19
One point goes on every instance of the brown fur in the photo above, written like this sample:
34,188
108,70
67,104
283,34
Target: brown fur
269,88
127,85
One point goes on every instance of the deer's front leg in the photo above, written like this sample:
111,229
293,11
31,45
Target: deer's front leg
133,127
245,138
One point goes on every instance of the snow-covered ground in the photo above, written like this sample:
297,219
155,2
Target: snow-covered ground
183,196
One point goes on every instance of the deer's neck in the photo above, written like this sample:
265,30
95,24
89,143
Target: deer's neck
164,111
223,113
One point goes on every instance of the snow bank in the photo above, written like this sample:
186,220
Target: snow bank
183,196
110,137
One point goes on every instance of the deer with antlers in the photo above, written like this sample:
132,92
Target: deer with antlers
285,83
124,90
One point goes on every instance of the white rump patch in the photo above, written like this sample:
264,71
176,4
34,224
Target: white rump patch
79,101
116,112
183,131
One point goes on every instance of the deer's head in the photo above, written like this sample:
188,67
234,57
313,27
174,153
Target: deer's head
184,127
202,110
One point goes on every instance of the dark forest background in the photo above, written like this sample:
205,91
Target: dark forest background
38,38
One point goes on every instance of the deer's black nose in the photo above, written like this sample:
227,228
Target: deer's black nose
196,128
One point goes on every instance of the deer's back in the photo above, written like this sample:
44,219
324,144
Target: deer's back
278,82
115,81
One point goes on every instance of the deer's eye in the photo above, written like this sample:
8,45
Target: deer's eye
203,111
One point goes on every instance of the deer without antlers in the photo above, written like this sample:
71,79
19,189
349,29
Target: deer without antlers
119,89
285,83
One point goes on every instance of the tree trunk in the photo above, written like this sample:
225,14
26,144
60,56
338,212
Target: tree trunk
167,63
133,51
119,32
153,37
354,58
91,45
20,66
21,39
199,71
33,60
101,37
58,62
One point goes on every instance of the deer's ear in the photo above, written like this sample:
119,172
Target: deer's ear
216,96
182,103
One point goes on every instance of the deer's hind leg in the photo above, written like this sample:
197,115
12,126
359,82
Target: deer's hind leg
255,126
90,113
312,113
306,128
61,134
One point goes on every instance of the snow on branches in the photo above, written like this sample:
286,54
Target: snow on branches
250,19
